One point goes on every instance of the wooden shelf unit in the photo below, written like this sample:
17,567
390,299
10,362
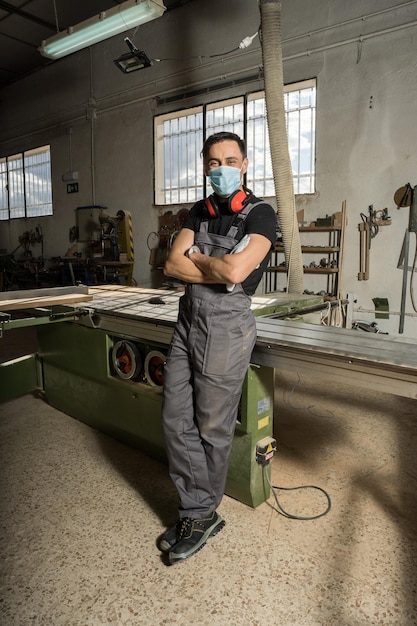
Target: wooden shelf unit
331,256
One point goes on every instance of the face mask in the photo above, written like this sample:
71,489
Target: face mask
225,180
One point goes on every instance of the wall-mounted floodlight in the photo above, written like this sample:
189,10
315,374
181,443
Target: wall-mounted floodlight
125,16
133,60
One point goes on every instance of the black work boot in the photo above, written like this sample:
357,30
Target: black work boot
169,538
192,534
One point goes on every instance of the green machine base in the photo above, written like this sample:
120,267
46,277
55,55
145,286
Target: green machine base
18,377
78,379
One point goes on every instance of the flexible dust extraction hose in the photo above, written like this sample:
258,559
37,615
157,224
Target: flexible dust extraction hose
281,165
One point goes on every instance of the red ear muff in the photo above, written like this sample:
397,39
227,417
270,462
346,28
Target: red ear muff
211,206
235,203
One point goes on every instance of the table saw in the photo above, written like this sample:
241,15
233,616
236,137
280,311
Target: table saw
100,360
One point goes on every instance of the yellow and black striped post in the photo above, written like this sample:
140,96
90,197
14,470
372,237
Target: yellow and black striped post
126,245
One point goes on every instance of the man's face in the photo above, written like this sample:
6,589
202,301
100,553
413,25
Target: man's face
225,153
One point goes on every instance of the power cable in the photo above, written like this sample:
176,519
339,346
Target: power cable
245,43
56,16
289,515
273,488
153,240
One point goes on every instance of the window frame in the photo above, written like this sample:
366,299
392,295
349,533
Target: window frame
161,189
26,184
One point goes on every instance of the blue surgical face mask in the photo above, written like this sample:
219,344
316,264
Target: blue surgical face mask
225,180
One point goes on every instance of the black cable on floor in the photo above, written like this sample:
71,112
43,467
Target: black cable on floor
283,512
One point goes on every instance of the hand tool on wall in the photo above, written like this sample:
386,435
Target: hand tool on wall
368,229
365,236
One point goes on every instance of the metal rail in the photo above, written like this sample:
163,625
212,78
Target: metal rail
375,361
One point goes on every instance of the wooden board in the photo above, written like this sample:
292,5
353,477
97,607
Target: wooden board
42,301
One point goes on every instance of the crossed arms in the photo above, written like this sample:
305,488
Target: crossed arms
200,268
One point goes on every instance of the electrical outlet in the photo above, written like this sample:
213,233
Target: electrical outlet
265,450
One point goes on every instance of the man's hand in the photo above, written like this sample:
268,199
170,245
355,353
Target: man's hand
192,250
179,265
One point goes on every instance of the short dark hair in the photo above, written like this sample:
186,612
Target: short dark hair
223,136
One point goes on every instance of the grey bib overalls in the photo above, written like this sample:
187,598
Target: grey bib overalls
203,377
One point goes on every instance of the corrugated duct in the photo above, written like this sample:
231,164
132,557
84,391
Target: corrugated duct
281,165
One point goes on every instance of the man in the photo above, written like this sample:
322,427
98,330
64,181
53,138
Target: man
213,339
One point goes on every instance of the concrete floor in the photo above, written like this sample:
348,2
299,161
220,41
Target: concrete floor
80,514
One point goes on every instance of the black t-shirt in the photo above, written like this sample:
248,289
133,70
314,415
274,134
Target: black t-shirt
261,220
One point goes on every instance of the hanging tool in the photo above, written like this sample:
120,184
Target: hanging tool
368,229
369,327
364,245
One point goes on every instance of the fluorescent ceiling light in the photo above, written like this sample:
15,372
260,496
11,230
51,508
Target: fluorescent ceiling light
125,16
133,60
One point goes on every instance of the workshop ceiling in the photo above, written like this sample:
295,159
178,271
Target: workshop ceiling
25,23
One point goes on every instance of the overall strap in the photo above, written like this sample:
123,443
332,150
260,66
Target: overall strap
238,222
237,225
203,226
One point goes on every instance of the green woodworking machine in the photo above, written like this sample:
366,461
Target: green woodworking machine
100,360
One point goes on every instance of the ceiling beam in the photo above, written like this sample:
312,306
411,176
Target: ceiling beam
9,8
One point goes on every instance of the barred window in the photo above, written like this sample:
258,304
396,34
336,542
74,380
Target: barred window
178,141
25,184
225,116
4,193
179,137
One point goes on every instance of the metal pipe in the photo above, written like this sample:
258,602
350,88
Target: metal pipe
404,283
361,18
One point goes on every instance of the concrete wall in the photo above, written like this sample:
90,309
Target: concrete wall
366,121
